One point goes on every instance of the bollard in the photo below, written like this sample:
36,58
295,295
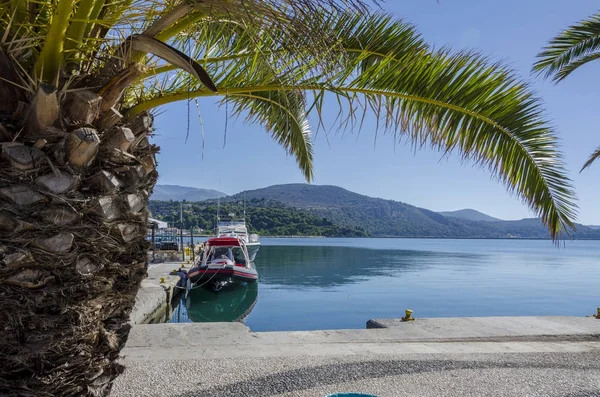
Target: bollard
408,316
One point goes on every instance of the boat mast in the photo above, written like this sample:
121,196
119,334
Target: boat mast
181,230
218,209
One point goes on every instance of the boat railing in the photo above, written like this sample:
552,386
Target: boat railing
231,222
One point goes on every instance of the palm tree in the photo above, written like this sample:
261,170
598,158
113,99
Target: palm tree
78,81
567,52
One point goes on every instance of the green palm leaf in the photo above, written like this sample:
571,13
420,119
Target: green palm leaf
380,65
369,63
569,68
570,49
567,52
282,113
592,158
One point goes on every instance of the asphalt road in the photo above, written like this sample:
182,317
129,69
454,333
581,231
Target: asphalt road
564,374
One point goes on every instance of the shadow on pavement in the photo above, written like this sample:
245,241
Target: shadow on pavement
305,378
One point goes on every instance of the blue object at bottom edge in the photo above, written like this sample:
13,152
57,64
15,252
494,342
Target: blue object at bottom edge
351,395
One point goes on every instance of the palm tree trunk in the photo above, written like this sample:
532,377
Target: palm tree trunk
74,187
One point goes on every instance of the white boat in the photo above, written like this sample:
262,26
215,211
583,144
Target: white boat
237,228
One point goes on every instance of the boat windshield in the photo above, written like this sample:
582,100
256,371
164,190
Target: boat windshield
222,253
238,254
234,254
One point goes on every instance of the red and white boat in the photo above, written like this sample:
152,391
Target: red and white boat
223,260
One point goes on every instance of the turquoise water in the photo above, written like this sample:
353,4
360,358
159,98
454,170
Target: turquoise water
308,284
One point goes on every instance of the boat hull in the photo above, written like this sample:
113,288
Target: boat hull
209,274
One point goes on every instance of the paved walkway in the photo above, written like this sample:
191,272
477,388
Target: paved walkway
385,375
407,359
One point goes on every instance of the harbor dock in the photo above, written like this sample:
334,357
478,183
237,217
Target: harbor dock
514,356
156,293
476,356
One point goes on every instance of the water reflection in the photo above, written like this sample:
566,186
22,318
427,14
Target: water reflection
341,283
321,266
232,303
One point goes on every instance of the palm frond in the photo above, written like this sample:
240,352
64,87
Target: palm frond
51,56
173,56
592,158
77,28
282,113
570,49
368,63
565,71
380,65
171,16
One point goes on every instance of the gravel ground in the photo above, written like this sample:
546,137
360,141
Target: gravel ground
514,374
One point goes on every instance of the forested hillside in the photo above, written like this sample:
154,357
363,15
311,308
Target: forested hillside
301,209
380,217
265,217
469,214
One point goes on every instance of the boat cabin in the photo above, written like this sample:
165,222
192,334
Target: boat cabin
232,228
223,249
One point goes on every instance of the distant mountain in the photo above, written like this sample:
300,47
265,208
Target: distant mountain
379,217
180,193
302,195
469,214
595,227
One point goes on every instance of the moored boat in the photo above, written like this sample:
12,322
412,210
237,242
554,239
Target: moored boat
223,260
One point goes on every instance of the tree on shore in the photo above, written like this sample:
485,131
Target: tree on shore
78,80
571,49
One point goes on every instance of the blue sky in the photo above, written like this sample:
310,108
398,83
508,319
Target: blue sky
512,31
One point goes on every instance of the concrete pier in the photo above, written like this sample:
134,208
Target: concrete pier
492,328
496,356
154,297
471,356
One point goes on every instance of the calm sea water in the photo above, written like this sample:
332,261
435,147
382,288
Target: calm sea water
308,284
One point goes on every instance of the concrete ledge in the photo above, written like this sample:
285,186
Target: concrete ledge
153,299
150,299
187,334
181,341
491,327
431,330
